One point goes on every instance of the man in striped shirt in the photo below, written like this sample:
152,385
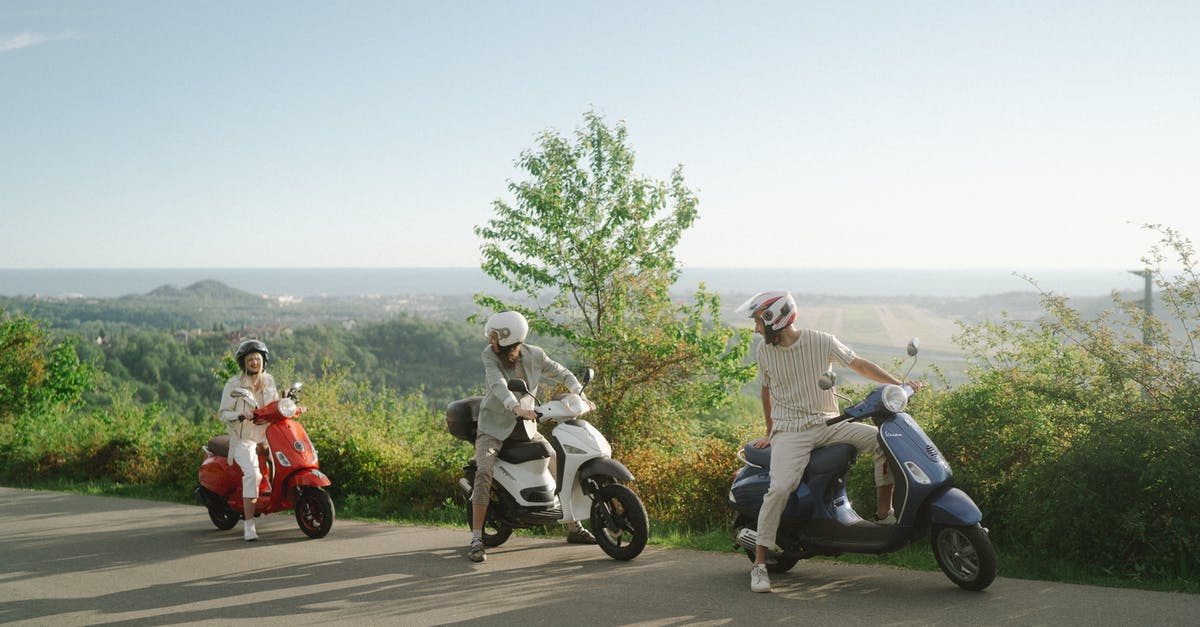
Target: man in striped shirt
790,363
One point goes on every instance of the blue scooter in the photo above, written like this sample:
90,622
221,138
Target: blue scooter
819,519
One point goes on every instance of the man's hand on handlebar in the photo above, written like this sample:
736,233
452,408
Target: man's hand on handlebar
527,414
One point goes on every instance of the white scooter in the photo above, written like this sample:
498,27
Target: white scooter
524,493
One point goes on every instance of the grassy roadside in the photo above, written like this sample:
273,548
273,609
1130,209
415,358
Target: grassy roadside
917,556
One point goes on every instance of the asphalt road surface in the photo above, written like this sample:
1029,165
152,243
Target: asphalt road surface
79,560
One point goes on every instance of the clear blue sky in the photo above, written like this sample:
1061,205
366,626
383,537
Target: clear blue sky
377,134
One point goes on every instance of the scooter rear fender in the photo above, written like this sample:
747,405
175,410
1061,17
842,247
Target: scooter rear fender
953,507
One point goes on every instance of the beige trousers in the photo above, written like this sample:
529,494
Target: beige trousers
790,452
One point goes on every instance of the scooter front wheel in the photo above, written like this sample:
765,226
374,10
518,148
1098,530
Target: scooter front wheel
619,522
965,554
314,512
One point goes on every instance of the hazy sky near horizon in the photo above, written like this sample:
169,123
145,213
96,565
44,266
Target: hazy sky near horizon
1005,135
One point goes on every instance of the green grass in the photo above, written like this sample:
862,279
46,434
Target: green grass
917,556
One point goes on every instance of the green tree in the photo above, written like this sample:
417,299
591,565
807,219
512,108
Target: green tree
35,372
587,246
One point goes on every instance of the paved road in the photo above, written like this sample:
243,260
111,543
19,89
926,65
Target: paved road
78,560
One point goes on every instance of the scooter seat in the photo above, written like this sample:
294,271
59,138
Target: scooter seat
521,452
827,459
219,445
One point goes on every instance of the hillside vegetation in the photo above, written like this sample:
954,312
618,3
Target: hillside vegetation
1076,438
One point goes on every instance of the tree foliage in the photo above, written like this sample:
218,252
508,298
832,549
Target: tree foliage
36,372
587,246
1077,437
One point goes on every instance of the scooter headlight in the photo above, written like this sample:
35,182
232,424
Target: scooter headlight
287,408
894,399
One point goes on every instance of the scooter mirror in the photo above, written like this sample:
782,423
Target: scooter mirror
518,385
588,374
827,380
913,345
296,386
241,393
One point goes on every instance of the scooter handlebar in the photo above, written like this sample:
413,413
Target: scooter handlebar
840,418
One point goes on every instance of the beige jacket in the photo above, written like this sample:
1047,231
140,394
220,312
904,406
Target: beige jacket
495,411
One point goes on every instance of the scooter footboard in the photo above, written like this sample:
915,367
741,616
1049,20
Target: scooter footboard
953,507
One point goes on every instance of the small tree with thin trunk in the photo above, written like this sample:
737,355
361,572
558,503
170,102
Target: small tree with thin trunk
587,246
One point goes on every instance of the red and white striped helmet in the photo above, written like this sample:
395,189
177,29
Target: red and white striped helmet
777,309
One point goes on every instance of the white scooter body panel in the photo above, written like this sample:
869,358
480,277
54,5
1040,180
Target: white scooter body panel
580,443
531,474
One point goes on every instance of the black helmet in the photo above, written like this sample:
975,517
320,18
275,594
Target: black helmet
251,346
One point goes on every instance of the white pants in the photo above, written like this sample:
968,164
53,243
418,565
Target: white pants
790,452
245,455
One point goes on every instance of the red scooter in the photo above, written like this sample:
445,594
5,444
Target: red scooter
288,464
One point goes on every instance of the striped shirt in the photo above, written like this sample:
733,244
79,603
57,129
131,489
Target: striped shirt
791,374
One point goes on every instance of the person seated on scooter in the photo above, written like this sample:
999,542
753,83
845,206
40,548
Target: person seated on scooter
507,356
245,434
790,362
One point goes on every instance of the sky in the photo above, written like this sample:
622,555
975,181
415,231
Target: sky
1011,135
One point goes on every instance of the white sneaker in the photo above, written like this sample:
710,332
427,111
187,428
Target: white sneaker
249,534
890,519
759,580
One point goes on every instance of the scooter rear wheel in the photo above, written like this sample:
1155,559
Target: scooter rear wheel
965,554
619,522
224,519
494,533
780,564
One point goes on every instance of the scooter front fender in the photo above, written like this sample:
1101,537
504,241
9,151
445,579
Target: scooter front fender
953,507
309,476
283,497
575,504
604,467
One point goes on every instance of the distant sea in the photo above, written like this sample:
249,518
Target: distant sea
342,282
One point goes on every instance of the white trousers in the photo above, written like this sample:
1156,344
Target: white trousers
245,455
790,452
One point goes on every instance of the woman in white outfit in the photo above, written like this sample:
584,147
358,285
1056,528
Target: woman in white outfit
245,434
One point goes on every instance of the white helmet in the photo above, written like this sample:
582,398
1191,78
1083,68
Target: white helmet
510,327
776,309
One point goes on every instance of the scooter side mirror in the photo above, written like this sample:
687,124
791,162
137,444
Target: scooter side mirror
827,380
296,386
245,395
588,375
913,345
518,385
